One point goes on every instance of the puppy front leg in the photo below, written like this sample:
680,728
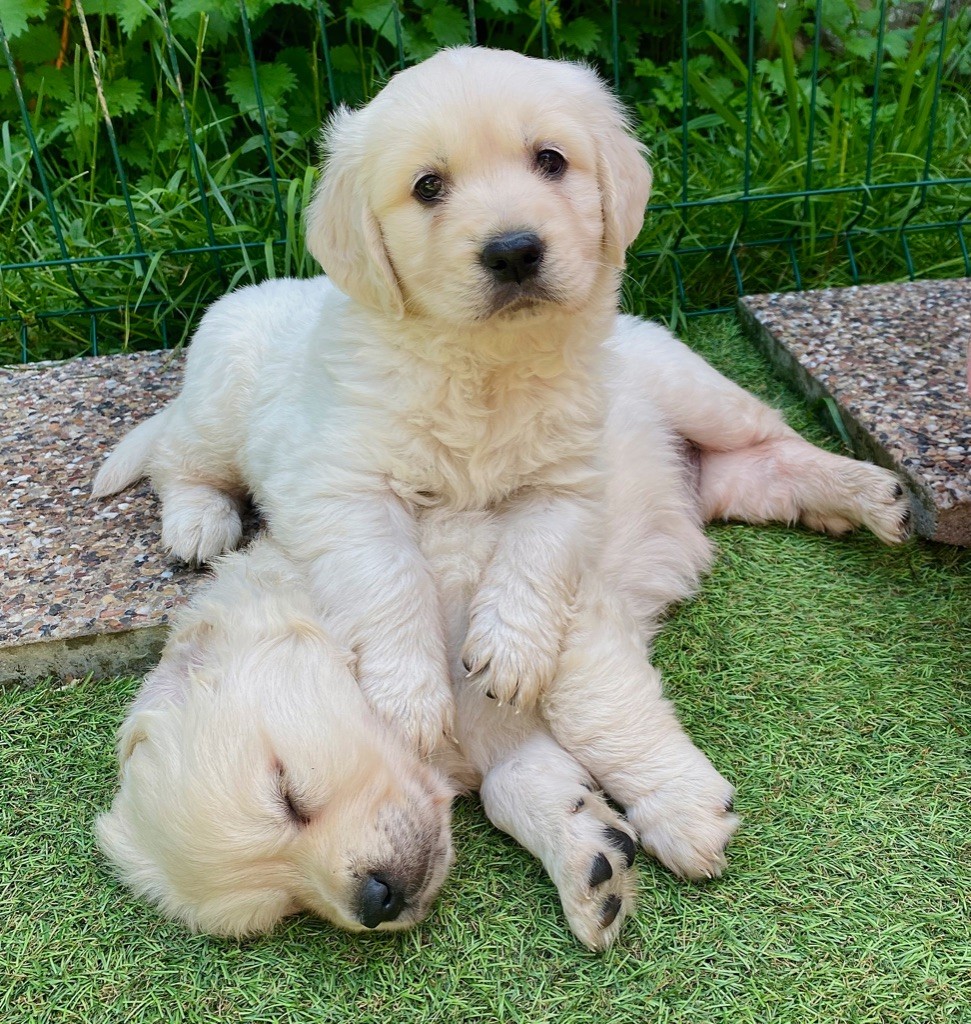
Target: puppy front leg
548,803
376,588
607,709
524,603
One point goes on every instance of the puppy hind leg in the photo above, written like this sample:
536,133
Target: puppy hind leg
697,401
607,709
547,801
790,480
199,521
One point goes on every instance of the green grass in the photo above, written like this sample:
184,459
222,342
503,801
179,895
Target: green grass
186,170
827,678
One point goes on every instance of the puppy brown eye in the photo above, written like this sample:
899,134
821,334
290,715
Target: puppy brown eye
551,163
429,188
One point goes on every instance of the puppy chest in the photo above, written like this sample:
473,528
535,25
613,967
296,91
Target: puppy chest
478,458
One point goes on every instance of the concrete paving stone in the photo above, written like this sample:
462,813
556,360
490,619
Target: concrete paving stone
891,362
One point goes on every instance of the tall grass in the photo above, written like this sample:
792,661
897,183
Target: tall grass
762,133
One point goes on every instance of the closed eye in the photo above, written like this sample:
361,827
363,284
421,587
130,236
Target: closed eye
294,811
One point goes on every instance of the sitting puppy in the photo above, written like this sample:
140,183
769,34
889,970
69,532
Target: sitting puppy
472,221
256,782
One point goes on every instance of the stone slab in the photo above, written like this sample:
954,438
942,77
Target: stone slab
85,585
893,359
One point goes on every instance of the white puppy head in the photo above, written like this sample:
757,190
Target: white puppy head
478,186
256,783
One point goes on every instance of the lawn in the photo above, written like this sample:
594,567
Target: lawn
827,678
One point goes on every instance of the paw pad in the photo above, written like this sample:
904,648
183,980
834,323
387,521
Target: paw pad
621,841
600,872
609,910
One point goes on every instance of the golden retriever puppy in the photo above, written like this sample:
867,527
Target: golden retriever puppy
472,221
255,781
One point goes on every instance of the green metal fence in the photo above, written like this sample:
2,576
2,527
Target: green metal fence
157,152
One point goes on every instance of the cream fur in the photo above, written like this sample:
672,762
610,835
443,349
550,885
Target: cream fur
459,481
252,680
344,405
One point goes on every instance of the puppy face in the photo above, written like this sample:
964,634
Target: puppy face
480,187
255,783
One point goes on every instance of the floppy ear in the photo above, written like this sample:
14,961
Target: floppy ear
343,235
625,182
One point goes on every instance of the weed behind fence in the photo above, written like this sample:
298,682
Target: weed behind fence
156,154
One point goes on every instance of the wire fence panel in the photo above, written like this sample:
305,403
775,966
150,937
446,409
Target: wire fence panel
156,153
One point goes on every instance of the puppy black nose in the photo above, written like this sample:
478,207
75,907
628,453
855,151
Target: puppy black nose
379,901
513,257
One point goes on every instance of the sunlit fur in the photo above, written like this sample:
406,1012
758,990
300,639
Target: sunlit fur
253,691
400,383
255,781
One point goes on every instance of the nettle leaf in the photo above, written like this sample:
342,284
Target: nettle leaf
345,58
503,6
15,15
419,43
40,44
130,14
228,9
774,74
52,83
861,46
275,81
124,96
582,34
377,14
448,25
896,43
553,17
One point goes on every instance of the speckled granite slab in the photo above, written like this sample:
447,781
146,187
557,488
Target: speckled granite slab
85,586
893,357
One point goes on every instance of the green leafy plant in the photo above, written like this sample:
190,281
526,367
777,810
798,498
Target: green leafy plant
165,154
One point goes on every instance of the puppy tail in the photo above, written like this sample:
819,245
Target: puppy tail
129,461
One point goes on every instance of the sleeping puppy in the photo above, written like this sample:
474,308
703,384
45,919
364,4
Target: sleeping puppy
472,221
256,782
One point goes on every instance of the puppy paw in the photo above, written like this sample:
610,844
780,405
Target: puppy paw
199,523
417,704
864,495
594,874
507,663
885,506
687,823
